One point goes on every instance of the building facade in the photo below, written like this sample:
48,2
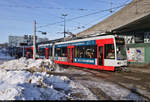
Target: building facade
15,41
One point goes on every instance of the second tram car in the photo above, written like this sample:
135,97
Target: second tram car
28,51
45,51
102,52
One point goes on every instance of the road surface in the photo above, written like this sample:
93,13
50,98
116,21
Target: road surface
134,85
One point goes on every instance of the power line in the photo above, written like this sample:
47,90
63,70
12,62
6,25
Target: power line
101,17
39,7
83,26
66,8
101,1
89,23
84,15
107,1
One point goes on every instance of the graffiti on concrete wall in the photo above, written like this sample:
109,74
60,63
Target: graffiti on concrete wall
131,55
135,54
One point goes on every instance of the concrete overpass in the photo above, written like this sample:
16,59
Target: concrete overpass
132,18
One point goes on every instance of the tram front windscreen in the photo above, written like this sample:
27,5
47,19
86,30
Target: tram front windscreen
121,49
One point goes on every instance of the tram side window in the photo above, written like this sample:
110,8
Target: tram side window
58,52
28,52
64,52
42,52
109,51
86,51
94,51
81,52
77,51
61,52
91,52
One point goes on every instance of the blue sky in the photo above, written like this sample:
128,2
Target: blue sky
17,16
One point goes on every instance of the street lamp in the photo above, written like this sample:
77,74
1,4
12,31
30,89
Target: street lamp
64,24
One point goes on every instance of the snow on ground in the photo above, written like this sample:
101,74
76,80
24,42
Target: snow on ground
16,83
24,63
115,91
22,85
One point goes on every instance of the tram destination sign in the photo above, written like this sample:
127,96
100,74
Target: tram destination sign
82,43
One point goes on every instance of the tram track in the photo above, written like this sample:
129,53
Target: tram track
82,74
106,76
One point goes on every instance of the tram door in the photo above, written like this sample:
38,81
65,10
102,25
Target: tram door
70,55
46,53
100,55
29,52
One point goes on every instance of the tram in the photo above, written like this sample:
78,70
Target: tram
28,51
103,52
44,51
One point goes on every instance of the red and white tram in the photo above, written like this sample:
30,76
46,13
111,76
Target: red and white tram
103,52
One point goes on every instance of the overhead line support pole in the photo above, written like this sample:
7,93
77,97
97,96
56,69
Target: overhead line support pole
34,41
64,27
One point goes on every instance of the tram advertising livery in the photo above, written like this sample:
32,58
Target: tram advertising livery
103,52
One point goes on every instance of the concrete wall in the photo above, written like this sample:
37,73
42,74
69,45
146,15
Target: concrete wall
138,53
133,11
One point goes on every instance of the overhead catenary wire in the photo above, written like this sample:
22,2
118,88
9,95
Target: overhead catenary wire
64,8
84,15
84,26
67,8
89,23
39,7
102,1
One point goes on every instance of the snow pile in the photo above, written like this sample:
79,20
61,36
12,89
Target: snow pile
18,83
37,63
15,64
22,85
23,63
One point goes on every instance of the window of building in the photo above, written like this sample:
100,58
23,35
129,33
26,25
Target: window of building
109,51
